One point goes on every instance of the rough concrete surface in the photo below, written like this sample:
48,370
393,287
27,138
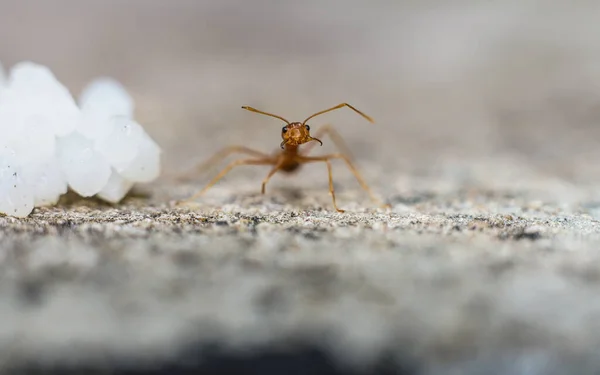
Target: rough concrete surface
485,146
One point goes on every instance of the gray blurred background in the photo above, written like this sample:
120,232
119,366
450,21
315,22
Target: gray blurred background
504,94
500,98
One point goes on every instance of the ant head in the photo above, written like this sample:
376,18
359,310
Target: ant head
295,134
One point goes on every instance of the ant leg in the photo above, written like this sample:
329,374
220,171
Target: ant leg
331,190
351,166
271,173
337,139
220,155
227,169
330,176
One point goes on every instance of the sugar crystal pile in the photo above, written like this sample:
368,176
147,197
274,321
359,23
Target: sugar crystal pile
51,143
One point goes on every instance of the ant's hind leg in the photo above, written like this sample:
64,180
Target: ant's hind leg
361,181
271,173
227,169
217,157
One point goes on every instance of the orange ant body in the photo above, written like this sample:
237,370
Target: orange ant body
290,158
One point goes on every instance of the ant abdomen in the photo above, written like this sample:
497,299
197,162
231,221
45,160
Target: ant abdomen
290,167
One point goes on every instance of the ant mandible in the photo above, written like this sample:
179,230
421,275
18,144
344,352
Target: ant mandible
290,158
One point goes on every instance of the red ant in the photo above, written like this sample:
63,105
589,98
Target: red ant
290,158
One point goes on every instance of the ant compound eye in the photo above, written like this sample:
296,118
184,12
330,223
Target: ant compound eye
284,129
307,127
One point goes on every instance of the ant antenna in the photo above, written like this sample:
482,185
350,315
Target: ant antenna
265,113
337,107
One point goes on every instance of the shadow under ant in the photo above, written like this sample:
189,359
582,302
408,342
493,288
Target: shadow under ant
280,195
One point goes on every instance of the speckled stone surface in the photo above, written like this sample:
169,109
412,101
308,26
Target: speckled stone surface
462,288
487,261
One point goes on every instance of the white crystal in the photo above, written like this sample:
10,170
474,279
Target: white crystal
16,198
21,130
105,97
121,145
86,171
46,180
116,188
146,165
43,97
94,127
48,143
2,77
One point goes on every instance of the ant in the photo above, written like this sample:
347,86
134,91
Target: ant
290,158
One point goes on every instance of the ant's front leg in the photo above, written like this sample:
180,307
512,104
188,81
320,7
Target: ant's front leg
278,164
327,159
